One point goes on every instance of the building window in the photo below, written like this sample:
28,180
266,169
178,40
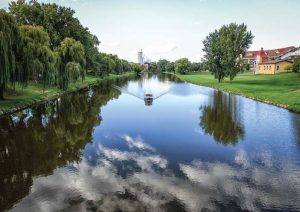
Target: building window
277,68
269,67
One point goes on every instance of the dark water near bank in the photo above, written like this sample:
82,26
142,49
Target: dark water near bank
194,149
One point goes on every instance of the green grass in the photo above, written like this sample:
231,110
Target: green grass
280,89
33,93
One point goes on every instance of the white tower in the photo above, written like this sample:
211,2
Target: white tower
141,57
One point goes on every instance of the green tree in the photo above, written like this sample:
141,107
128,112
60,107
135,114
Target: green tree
223,48
72,62
137,68
38,61
59,22
118,69
182,65
296,65
161,65
153,67
10,45
196,67
170,67
110,63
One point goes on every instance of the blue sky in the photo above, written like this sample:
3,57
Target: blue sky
173,29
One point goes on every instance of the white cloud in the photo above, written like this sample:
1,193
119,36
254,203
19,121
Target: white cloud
136,143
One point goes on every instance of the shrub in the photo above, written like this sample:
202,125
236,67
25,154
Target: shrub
296,65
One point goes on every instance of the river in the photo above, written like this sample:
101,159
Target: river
193,149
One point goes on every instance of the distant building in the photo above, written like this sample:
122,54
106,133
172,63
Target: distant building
292,55
254,58
273,66
141,57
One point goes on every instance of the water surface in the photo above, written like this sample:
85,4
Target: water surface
193,149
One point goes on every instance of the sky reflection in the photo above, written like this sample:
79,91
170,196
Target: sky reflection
194,149
151,184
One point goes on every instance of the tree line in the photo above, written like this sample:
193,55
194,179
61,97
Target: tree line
181,66
46,44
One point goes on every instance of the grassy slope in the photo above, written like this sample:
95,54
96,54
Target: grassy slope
33,93
280,89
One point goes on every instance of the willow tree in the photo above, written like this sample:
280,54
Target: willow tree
38,60
72,62
10,45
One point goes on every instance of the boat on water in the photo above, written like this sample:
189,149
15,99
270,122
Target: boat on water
148,98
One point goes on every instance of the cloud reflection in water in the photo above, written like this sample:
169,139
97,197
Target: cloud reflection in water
152,186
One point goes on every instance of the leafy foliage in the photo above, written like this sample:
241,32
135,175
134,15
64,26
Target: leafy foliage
59,22
72,64
182,65
223,48
170,67
296,65
38,61
10,45
137,68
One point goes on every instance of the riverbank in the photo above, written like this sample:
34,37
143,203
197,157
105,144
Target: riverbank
282,90
33,93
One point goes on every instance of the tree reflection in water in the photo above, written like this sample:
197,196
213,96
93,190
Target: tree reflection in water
220,119
36,141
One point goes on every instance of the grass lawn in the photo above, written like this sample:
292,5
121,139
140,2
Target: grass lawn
34,93
280,89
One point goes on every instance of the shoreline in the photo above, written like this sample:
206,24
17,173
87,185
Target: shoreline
240,93
53,93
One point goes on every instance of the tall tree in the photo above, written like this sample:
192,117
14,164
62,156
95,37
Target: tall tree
38,61
182,65
161,65
72,62
153,67
223,48
60,22
137,68
10,45
196,67
170,67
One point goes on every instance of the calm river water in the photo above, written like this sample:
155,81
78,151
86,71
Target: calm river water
193,149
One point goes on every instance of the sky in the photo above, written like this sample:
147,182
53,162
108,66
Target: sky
173,29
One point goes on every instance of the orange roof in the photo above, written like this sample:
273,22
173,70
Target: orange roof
269,53
275,61
263,56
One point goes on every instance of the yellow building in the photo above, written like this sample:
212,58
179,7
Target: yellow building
273,67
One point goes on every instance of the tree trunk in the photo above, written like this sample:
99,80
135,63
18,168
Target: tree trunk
1,93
